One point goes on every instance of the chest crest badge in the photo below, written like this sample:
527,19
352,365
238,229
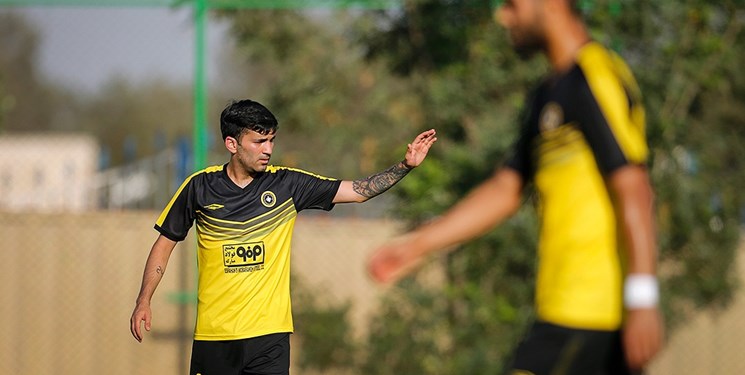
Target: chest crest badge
268,199
551,117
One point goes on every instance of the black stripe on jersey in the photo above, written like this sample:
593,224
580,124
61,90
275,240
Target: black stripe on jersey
230,224
581,112
216,229
559,139
594,125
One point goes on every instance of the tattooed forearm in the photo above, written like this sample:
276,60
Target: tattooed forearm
378,183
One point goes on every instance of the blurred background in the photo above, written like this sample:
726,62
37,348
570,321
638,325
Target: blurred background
107,105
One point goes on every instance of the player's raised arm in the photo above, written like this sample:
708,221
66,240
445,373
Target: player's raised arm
155,268
369,187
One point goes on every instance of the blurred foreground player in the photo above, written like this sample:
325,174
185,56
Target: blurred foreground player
582,145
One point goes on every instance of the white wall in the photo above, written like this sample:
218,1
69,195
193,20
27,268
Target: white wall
47,172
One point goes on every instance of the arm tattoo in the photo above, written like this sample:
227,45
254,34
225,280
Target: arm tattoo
159,271
378,183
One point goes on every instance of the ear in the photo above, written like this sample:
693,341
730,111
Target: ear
231,144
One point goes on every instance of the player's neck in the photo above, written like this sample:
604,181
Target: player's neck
566,38
238,175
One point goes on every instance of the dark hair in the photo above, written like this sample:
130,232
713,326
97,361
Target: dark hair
240,116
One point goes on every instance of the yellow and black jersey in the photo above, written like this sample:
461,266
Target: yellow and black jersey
244,237
579,127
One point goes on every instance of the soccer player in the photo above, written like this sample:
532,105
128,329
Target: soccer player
245,211
582,146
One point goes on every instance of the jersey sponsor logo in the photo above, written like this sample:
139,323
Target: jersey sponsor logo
243,257
268,199
551,117
214,206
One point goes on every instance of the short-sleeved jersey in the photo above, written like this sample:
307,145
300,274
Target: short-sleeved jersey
579,127
244,237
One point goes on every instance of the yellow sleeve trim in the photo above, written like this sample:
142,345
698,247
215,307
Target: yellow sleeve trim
162,217
275,168
610,80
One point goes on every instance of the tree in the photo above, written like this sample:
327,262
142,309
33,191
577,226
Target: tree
22,91
135,120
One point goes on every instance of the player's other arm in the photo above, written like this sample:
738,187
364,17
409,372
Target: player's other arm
155,268
483,208
363,189
643,330
633,194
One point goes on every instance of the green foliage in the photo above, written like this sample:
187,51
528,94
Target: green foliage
409,335
23,92
323,330
428,35
157,108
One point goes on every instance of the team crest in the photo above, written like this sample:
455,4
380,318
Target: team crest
551,117
268,199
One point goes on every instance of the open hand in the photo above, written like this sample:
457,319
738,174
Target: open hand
392,261
417,150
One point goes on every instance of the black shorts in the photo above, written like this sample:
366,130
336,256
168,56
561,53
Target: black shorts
263,355
550,349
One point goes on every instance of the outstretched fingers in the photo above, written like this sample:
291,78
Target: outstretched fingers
418,149
426,138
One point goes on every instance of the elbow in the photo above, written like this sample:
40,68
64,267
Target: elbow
361,199
351,198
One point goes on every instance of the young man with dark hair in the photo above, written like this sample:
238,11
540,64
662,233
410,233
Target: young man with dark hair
583,147
245,212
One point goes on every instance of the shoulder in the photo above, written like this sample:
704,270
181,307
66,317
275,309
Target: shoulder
598,64
209,172
204,176
594,55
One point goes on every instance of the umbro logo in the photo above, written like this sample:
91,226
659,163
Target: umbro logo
214,206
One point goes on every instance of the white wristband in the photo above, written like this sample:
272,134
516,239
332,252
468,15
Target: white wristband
640,291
